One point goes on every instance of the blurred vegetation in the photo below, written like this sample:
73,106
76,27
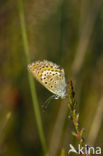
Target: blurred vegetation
69,33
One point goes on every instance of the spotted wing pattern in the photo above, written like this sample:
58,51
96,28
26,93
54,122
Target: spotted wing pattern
50,75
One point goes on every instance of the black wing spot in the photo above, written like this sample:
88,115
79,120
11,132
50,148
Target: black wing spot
45,82
51,86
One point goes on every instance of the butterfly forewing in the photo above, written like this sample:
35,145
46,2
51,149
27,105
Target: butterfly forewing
48,74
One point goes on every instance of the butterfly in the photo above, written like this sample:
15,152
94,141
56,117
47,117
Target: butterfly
51,76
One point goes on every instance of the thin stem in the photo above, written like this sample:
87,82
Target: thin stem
63,153
31,81
74,115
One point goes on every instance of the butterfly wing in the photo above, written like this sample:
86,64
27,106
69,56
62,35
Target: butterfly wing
48,74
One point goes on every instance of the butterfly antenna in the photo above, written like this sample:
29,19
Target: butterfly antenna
46,103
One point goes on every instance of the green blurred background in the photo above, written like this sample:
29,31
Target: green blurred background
69,33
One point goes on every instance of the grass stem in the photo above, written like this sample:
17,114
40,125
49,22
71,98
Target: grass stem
31,81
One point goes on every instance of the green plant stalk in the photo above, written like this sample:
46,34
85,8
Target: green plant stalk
74,115
31,81
63,153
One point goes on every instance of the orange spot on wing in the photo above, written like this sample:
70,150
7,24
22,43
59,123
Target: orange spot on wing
47,68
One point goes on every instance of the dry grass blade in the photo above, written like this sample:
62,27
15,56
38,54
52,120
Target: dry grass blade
96,124
76,67
85,36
